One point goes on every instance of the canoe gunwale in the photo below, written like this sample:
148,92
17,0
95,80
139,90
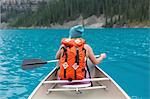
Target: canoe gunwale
126,95
40,84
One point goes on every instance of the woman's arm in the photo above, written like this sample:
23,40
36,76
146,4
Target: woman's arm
58,54
92,57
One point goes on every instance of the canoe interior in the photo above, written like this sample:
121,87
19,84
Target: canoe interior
111,92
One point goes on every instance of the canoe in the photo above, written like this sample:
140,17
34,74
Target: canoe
103,87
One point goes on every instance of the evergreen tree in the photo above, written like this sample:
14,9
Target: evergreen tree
60,11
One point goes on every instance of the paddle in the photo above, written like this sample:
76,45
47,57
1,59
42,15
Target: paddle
34,63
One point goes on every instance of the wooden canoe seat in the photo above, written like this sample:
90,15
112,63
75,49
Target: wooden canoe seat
76,85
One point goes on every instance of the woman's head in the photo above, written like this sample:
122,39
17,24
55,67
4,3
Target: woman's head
76,31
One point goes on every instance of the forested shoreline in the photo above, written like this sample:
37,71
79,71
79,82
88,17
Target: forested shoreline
118,12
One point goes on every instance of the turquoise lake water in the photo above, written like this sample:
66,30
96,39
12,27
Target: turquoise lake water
128,58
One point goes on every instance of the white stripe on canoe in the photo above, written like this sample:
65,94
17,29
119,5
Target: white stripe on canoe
66,81
77,89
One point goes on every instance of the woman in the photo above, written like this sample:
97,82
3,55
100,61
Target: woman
73,54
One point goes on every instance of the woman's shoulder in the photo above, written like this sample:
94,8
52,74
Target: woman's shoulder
86,46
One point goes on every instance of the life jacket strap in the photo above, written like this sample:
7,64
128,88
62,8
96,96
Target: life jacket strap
75,74
64,73
65,53
85,73
89,72
57,70
76,65
77,56
65,65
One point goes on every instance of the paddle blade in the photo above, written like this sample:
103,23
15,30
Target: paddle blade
32,63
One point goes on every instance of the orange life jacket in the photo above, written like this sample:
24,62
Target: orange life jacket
72,63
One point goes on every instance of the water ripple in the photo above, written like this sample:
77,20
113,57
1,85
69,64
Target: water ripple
127,57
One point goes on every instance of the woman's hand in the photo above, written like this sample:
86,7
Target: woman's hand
103,55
